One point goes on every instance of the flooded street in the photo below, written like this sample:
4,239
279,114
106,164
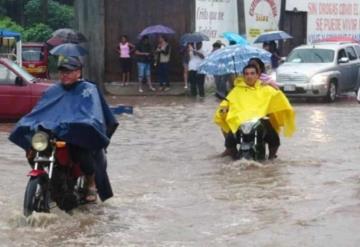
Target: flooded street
171,188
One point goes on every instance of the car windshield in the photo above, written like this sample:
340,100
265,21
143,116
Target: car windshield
22,72
30,54
311,55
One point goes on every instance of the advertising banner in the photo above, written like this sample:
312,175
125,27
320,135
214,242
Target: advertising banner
261,16
214,17
296,5
329,18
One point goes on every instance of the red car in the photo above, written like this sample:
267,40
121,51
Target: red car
19,91
35,59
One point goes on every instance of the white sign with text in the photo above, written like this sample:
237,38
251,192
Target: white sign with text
214,17
261,16
328,18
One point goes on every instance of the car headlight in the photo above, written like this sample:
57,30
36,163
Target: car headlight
319,79
40,141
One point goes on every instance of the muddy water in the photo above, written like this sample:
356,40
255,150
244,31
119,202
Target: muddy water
172,190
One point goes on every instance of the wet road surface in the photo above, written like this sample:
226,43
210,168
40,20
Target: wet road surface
172,190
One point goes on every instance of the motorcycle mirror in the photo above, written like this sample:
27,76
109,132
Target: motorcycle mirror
19,81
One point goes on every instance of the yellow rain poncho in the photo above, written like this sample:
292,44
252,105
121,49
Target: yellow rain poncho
245,103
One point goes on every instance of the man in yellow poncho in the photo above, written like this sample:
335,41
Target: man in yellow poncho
250,99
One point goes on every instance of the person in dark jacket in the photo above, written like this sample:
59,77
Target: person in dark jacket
76,112
162,59
144,56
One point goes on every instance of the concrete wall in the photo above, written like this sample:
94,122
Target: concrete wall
90,22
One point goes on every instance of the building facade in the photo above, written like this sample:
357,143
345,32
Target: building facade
103,23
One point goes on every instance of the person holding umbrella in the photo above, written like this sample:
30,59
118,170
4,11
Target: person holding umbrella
162,58
143,51
196,80
220,80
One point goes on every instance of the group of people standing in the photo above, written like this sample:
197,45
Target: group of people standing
146,57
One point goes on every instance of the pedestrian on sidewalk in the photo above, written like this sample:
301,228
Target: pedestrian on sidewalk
220,80
144,55
162,58
125,48
196,80
185,63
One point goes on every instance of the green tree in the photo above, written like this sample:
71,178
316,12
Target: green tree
58,15
13,9
6,22
38,33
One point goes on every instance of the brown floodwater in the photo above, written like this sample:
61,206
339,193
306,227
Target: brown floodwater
171,188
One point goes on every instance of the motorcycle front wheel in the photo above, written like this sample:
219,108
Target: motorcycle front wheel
36,196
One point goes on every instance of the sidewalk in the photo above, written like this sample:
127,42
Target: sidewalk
115,88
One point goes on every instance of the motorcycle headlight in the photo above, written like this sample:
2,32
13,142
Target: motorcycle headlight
247,127
40,141
319,79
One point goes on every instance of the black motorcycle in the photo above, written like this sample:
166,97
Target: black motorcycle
251,140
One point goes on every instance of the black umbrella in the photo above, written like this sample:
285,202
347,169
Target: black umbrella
157,29
193,38
272,36
69,49
69,35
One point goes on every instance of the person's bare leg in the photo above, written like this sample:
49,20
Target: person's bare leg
148,78
91,188
123,79
186,76
127,78
140,85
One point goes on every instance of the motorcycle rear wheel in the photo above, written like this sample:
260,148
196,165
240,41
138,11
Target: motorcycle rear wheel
36,197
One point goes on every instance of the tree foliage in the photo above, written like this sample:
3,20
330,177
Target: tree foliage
38,33
59,15
6,22
41,17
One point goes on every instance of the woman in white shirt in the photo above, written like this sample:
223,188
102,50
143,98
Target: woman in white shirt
196,80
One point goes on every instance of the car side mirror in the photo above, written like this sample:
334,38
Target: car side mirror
19,81
344,60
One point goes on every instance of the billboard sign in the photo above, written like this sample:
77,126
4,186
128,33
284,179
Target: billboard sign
214,17
328,18
261,16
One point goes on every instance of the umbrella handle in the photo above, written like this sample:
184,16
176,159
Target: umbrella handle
233,58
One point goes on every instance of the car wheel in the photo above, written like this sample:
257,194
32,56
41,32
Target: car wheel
331,94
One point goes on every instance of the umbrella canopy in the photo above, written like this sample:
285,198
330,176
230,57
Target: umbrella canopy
156,29
193,38
7,33
232,59
55,41
272,36
69,50
235,37
68,35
